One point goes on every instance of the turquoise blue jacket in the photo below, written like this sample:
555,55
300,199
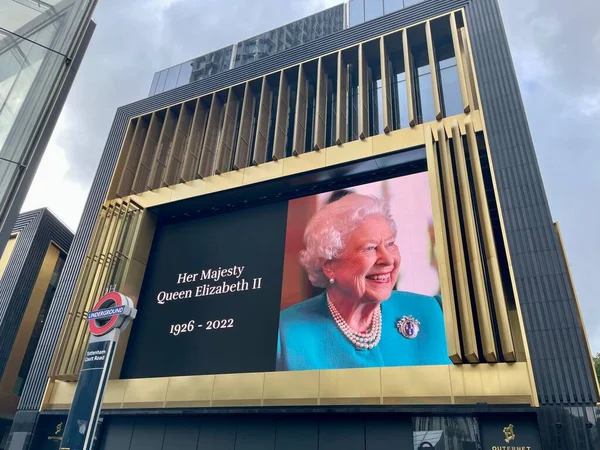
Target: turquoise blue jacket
309,339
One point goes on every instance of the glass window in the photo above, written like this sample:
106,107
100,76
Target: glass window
373,9
162,77
357,12
185,75
408,3
425,107
448,433
153,85
172,76
448,76
392,5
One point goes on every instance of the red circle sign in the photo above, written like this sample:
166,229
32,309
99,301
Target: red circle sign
110,300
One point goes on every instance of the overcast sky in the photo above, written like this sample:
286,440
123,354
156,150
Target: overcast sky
555,45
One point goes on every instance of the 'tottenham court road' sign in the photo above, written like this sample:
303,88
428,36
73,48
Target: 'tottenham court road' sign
109,317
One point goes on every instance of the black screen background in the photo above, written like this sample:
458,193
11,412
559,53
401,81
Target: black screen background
254,238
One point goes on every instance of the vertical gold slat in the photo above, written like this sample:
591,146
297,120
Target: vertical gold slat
142,174
458,253
133,158
83,305
408,70
123,155
262,128
193,150
321,110
86,286
459,64
281,118
434,72
182,134
243,141
441,250
385,87
225,147
209,149
468,67
299,138
363,94
481,299
68,324
163,153
500,307
341,104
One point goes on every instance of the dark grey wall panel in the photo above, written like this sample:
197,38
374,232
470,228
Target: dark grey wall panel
255,433
148,434
336,433
181,433
36,230
297,433
384,433
554,332
217,433
117,433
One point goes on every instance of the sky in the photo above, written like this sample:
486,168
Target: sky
555,46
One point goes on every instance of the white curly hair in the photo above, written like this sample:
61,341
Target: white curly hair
327,231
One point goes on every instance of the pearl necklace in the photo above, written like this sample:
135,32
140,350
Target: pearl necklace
366,340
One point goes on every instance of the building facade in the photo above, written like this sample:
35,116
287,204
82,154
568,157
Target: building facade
41,47
30,267
200,183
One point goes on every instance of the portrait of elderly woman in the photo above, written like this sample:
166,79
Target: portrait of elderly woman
350,250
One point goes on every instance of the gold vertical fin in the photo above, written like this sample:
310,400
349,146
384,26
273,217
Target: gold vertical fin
408,70
459,63
363,94
435,86
458,253
468,67
133,158
163,152
262,128
225,146
193,150
142,174
182,133
385,87
321,109
441,249
299,136
209,149
243,141
342,96
499,299
113,190
281,118
477,276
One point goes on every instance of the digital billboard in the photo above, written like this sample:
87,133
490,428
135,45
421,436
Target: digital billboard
341,279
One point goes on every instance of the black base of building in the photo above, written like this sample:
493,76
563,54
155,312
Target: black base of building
324,428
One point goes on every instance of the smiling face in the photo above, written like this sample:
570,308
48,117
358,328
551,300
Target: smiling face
368,269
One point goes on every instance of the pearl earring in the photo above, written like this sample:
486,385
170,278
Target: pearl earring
331,281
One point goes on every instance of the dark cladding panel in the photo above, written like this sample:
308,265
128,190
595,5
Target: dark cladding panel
508,431
384,434
217,433
337,433
297,433
181,433
148,434
117,433
255,433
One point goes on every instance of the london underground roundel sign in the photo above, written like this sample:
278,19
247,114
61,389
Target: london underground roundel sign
114,310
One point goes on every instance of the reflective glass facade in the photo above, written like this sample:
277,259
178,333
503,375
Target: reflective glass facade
288,36
36,48
360,11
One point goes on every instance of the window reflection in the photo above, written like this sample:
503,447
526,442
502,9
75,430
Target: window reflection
373,9
392,5
357,12
172,75
185,74
447,433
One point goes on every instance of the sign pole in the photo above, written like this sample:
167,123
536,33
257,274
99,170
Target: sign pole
109,317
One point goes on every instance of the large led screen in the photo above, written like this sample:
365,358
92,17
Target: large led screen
343,279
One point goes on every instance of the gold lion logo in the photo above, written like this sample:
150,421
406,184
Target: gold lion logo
509,433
